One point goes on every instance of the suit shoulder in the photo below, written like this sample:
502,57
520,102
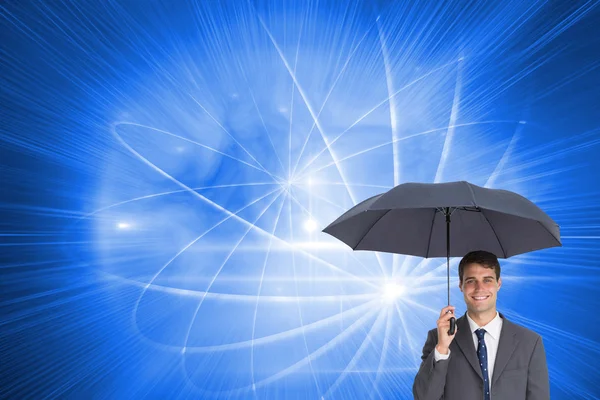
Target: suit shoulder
524,333
433,333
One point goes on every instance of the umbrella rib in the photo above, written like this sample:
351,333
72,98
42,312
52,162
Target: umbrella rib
495,234
369,230
486,218
550,233
430,233
472,193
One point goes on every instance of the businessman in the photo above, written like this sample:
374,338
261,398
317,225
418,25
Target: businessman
488,357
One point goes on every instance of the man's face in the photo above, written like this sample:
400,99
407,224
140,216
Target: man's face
480,287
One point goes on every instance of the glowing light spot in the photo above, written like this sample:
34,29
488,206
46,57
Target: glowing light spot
310,225
392,291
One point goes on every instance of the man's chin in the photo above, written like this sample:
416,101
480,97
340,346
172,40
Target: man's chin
478,308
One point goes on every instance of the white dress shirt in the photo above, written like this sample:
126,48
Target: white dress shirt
492,337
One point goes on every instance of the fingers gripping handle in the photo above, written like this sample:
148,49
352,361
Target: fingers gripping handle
452,329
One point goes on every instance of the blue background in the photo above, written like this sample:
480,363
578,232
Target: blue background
166,169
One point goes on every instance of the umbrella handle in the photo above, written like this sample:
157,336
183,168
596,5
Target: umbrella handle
452,329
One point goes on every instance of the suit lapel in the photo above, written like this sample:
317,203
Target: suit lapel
506,346
464,340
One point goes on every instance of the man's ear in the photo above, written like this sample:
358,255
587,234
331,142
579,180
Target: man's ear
460,285
499,283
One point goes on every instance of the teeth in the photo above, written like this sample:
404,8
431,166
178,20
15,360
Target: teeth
481,298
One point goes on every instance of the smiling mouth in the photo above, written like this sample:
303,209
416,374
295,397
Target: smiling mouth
480,298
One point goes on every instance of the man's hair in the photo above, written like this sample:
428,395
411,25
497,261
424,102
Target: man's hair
485,258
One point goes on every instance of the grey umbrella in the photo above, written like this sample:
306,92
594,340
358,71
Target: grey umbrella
446,219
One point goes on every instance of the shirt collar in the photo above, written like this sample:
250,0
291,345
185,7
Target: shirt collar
492,328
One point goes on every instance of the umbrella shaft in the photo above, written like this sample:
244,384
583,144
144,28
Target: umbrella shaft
448,249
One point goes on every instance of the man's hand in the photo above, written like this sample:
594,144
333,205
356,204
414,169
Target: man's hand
443,325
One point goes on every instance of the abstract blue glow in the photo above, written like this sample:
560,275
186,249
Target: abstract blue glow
167,168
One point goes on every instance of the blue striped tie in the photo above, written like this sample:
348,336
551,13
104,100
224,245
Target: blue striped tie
483,363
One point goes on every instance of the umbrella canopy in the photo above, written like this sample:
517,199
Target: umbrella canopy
411,219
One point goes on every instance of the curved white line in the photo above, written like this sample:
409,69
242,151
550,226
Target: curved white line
376,326
258,297
237,218
370,111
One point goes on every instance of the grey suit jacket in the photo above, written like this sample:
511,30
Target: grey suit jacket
520,371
